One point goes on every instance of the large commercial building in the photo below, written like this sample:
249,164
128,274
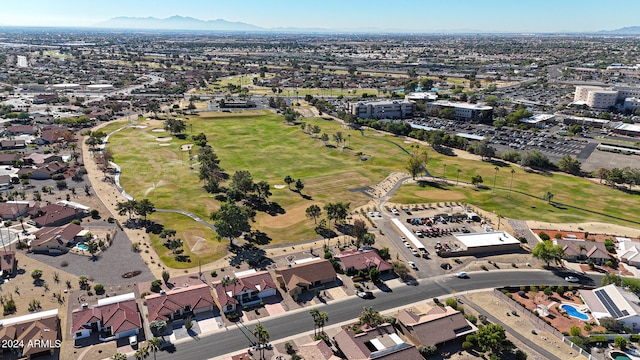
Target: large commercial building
601,98
395,109
465,111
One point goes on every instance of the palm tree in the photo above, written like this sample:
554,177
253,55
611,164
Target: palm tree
513,171
582,248
144,207
458,175
154,346
495,176
315,313
92,248
548,196
263,338
370,317
322,319
141,353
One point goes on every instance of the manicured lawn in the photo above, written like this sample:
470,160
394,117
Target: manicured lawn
270,149
566,189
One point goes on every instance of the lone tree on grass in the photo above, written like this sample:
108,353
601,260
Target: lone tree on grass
230,221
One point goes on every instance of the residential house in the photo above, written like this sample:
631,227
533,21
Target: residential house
51,134
8,263
179,303
356,260
19,130
13,210
380,342
43,171
5,182
247,289
37,158
581,250
55,239
613,301
436,326
8,158
54,214
629,252
317,350
12,144
305,275
35,334
112,318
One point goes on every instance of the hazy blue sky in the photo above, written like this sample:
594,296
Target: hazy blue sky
408,15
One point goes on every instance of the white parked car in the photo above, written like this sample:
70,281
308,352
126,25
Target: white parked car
462,275
413,265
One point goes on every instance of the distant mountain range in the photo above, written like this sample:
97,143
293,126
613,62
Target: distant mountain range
193,24
629,30
176,23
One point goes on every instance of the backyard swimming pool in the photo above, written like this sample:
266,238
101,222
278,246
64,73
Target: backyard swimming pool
573,312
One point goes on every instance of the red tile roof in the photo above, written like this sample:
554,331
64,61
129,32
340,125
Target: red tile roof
121,317
50,234
161,306
258,281
437,325
54,213
306,273
362,260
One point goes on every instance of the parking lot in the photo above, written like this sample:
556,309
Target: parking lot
433,230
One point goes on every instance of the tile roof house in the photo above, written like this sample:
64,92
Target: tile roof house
629,252
305,275
13,210
54,214
380,342
246,290
115,318
8,263
436,326
52,134
317,350
355,260
12,144
37,158
8,158
55,239
36,334
19,129
43,171
581,250
178,303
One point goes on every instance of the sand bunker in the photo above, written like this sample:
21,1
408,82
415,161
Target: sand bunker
166,138
186,147
139,126
279,186
200,245
164,144
159,130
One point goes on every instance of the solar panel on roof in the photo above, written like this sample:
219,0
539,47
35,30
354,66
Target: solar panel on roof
611,307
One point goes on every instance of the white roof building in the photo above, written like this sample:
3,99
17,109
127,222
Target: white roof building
613,301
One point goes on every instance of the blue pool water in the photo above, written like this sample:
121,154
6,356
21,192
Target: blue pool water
82,247
573,312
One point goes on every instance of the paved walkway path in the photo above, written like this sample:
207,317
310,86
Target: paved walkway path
546,354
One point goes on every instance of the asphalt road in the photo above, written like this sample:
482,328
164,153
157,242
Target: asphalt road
290,324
